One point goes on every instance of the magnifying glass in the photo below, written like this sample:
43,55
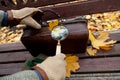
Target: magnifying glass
59,33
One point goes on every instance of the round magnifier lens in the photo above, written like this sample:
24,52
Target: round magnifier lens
59,33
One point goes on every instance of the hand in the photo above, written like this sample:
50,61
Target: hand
55,67
24,16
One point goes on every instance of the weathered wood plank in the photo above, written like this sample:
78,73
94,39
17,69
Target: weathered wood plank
30,3
11,46
110,64
19,46
95,76
114,35
23,55
14,57
75,9
11,68
84,8
92,65
115,51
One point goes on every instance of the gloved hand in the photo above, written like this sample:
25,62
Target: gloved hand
54,67
24,16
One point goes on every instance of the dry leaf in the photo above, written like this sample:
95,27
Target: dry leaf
91,36
104,22
52,24
100,41
72,64
107,47
91,51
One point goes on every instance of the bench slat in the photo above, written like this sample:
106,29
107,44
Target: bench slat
23,55
85,8
74,9
95,76
30,3
14,46
110,64
14,57
11,46
11,66
6,69
115,51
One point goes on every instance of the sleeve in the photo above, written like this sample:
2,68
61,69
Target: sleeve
23,75
1,16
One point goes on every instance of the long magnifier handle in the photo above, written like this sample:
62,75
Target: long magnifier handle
58,48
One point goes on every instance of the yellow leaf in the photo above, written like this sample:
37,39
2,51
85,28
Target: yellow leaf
91,36
91,51
103,35
107,47
72,64
100,41
52,24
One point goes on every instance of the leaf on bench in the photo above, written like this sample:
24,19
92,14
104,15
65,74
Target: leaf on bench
101,42
72,64
91,51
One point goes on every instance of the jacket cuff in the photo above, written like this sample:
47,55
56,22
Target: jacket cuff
41,71
10,15
1,16
12,21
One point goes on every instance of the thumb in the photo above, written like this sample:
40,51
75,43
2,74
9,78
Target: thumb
29,21
60,56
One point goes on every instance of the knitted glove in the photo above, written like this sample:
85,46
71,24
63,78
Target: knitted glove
54,67
22,75
24,16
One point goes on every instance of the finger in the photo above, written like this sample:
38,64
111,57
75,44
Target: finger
61,56
29,21
19,14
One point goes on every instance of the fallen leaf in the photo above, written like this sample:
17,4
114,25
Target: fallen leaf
101,41
103,36
72,64
52,24
91,51
91,36
107,47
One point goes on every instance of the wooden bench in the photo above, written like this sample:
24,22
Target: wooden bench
13,55
106,64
